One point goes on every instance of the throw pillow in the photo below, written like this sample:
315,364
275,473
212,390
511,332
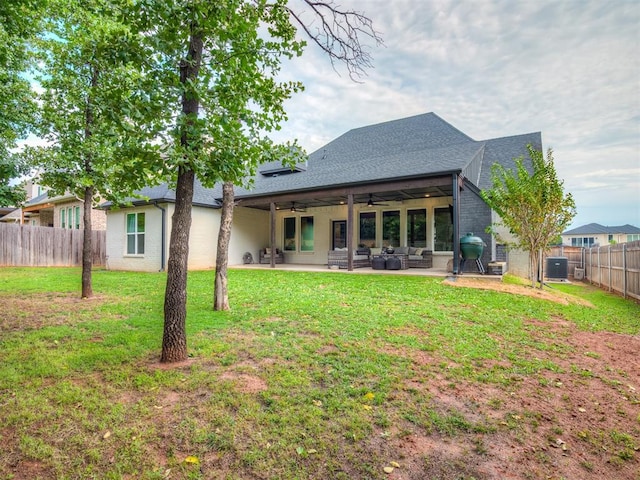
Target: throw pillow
267,251
418,251
412,250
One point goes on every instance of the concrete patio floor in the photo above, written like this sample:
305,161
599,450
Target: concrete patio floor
421,272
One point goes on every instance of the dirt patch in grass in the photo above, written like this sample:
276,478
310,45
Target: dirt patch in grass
30,312
581,421
551,295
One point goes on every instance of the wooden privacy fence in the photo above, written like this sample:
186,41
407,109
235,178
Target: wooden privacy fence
612,267
28,246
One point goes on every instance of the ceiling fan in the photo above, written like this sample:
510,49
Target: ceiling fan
295,209
371,203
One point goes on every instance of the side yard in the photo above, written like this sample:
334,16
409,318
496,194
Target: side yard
317,376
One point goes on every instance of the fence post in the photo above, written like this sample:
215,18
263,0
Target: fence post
624,270
609,260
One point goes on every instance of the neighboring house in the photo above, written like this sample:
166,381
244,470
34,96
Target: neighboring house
63,211
412,182
11,215
15,215
596,234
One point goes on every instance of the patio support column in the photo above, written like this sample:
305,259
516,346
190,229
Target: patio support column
456,224
272,230
350,232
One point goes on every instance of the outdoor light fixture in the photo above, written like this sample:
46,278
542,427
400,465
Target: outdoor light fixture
370,202
293,207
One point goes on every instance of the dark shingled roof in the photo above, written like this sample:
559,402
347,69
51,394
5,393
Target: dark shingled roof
422,145
597,229
419,146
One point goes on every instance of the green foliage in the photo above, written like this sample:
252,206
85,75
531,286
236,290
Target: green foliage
531,204
86,81
234,85
19,21
11,195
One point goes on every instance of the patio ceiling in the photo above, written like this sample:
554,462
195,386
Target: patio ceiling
380,193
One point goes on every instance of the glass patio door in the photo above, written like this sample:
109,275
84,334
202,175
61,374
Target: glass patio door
339,237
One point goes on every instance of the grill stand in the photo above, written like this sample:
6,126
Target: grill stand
478,263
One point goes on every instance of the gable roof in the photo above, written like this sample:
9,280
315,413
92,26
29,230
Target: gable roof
414,147
202,196
422,145
597,229
44,199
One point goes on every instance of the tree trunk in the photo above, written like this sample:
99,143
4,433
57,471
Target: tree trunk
220,295
541,268
174,340
87,250
533,265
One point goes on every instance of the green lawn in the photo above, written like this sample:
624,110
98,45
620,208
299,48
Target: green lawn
310,375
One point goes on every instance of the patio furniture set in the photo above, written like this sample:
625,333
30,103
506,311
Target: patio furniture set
399,258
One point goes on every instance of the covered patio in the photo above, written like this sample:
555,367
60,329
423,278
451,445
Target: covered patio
419,193
420,272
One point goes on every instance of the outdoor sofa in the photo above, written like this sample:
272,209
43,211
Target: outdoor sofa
416,257
265,255
338,258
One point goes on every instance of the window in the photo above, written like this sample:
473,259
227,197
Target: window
585,242
290,234
391,228
417,228
367,229
306,234
63,216
135,233
443,241
633,237
77,218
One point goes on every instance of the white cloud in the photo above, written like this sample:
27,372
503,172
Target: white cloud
569,69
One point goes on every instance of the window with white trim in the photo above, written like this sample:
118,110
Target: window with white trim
290,234
585,242
306,234
367,229
391,228
135,233
443,224
417,228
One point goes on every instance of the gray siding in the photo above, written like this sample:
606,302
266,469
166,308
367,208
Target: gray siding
475,217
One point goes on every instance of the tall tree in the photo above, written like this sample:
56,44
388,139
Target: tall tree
215,81
339,33
85,93
531,204
215,65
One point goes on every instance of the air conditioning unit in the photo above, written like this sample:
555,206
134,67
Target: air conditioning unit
557,268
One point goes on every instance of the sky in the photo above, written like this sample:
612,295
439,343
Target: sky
567,68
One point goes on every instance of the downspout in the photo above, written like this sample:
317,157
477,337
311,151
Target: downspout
456,224
163,234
